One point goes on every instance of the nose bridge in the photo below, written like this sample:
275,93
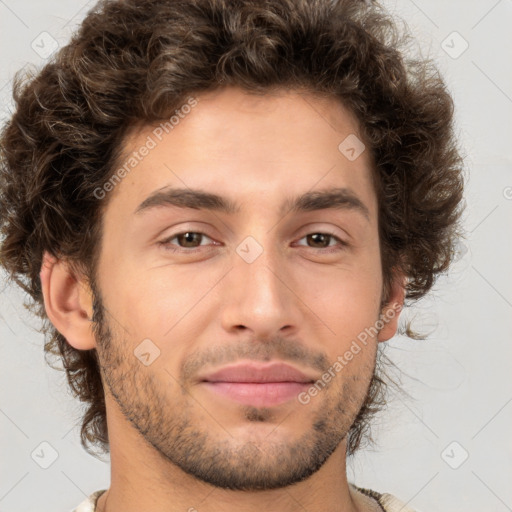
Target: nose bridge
260,300
259,265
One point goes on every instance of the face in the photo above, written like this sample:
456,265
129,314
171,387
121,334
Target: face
271,274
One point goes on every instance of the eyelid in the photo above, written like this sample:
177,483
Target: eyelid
165,243
319,227
328,233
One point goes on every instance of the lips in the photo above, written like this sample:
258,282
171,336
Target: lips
256,384
258,373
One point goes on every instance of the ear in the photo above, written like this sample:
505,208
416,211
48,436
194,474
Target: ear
391,311
68,302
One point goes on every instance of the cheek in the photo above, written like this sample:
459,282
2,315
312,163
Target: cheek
159,302
345,297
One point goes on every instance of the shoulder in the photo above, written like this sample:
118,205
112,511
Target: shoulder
387,502
392,504
89,504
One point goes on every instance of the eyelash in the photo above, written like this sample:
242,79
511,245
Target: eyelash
165,244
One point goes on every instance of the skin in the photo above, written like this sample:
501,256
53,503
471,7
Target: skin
174,444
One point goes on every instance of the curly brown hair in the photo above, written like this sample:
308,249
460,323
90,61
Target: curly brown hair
136,61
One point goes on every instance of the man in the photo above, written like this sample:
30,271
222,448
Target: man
218,209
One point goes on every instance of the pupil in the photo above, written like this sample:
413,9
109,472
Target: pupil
319,238
188,238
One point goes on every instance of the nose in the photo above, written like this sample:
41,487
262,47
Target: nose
260,297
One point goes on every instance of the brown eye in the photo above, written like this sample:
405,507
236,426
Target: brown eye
185,240
189,239
323,241
319,240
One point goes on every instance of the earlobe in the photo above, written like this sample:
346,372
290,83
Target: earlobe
391,312
68,302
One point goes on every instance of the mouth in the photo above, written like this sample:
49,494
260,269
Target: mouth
260,385
258,394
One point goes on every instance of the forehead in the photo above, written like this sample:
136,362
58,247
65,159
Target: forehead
254,148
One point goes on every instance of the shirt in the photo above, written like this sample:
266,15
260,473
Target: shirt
387,502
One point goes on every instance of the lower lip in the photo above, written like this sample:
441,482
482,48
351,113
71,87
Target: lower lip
262,394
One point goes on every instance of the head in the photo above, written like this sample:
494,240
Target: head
254,105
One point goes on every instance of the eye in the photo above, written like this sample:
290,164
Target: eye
323,240
185,240
190,241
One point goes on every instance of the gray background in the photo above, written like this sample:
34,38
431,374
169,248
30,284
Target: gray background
459,379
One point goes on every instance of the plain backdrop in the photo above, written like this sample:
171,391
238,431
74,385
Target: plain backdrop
448,447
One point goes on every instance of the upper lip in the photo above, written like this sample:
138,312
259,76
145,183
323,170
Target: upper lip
257,372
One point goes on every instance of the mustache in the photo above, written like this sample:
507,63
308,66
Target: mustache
255,349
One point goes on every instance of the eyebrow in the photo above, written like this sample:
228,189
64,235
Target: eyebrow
333,198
